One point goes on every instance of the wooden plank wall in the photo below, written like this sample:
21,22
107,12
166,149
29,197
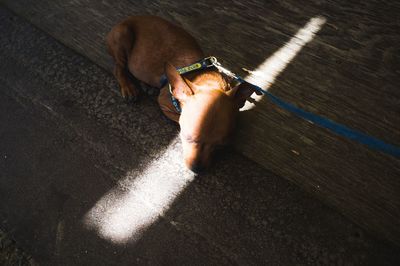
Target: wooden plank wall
349,73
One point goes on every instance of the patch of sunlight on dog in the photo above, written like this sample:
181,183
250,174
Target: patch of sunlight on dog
140,198
265,74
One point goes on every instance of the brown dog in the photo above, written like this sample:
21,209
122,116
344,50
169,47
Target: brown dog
149,47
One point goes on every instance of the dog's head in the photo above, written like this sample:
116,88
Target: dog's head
209,108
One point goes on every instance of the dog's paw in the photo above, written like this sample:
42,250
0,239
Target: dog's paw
130,93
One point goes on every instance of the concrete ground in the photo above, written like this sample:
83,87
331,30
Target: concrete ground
87,180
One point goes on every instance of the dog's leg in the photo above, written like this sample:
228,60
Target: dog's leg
120,41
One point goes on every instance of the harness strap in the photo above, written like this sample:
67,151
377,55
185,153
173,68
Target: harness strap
174,101
204,63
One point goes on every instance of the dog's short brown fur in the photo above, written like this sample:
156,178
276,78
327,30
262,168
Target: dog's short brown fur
149,47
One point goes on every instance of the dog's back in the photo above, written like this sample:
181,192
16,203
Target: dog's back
142,45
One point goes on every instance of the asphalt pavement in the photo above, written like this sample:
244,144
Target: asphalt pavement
86,179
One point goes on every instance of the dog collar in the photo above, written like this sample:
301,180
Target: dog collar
204,63
174,100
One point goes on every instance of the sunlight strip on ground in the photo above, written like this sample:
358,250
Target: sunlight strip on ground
140,199
266,73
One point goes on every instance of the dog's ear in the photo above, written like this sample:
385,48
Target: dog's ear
241,93
180,87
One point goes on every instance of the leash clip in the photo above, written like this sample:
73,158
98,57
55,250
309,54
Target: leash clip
210,61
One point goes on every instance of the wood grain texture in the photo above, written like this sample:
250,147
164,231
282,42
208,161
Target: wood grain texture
348,73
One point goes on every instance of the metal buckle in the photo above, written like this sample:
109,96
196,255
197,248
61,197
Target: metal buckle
210,61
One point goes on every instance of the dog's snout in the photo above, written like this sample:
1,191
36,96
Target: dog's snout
197,157
197,168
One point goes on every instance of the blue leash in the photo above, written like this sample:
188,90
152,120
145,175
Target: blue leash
338,129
